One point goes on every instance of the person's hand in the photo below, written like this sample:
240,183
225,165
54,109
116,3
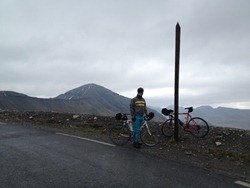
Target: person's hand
133,118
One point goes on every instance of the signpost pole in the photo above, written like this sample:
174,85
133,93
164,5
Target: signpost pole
176,93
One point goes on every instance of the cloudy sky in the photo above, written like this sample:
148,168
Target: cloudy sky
51,46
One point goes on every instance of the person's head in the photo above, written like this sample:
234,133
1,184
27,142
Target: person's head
140,91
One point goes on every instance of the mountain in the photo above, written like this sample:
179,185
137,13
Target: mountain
101,99
97,100
225,117
87,99
10,100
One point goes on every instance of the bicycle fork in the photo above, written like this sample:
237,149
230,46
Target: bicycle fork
148,130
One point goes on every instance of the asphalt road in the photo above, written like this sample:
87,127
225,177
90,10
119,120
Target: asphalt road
32,157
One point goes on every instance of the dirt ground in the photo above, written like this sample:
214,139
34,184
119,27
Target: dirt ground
224,150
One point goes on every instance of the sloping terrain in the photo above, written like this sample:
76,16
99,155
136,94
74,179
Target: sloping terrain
97,100
88,99
101,99
16,101
225,117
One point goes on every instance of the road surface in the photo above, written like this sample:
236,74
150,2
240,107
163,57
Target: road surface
33,157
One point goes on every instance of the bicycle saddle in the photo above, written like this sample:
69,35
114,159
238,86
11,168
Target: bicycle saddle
190,109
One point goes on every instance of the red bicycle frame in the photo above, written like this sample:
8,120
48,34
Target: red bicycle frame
187,119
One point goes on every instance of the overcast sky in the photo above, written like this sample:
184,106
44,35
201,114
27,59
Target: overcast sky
49,47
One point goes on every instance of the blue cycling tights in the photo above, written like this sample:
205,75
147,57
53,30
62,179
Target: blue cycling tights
136,126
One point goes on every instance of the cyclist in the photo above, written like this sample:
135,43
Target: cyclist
137,109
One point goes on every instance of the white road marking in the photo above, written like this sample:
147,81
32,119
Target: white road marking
242,183
82,138
1,123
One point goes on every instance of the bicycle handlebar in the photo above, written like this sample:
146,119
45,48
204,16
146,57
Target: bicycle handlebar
123,116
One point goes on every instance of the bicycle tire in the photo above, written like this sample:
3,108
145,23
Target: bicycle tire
167,128
153,138
198,127
119,134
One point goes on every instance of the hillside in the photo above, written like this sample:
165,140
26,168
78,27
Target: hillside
102,100
87,99
98,100
225,117
98,97
15,101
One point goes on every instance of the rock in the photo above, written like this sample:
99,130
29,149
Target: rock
188,153
218,143
76,116
226,133
219,137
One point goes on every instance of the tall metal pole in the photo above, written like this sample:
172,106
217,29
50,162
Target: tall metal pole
176,93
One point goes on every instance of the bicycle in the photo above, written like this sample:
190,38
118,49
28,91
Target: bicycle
122,132
197,126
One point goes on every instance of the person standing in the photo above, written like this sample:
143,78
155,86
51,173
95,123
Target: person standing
138,109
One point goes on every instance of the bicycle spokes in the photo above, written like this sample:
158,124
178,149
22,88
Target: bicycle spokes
123,135
119,134
150,135
167,128
198,127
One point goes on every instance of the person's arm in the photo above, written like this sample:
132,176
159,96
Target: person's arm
145,109
132,108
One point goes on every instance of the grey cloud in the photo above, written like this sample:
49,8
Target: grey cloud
52,47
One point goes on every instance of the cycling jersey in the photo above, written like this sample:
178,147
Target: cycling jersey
138,106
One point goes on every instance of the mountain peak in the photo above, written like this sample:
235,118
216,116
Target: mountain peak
86,91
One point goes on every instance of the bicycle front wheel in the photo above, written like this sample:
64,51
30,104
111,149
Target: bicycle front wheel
198,127
167,128
151,135
119,134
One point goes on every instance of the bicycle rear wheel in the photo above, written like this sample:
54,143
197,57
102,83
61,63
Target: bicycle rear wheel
150,136
119,134
167,128
198,127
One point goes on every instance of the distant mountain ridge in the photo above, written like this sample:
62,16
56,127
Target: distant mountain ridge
225,117
98,100
87,99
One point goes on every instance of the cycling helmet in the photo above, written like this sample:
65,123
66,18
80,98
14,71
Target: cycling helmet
140,90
